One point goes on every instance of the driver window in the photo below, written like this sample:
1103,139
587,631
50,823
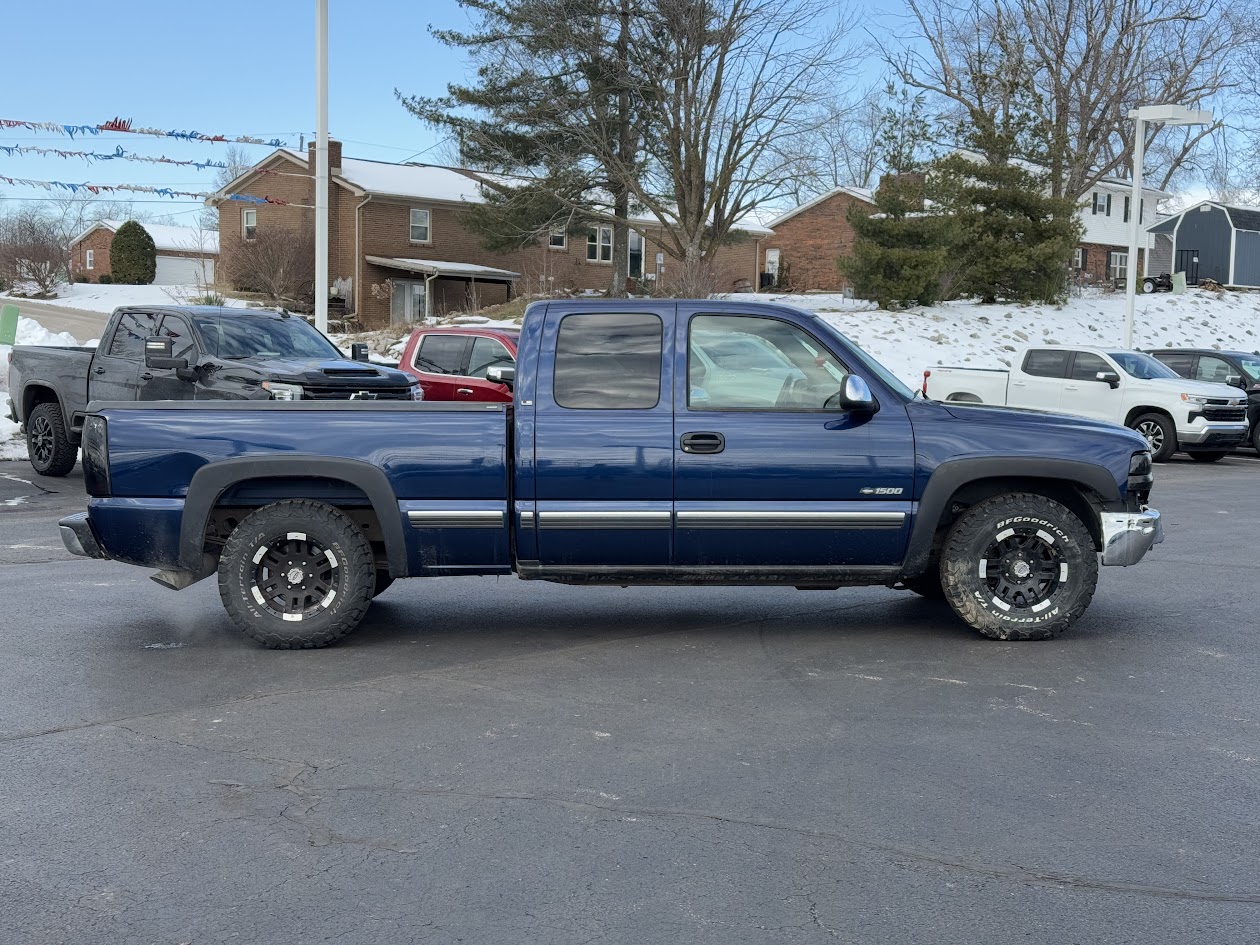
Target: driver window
748,362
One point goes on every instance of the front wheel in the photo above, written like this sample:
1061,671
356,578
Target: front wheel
1160,434
1019,567
296,574
1213,457
1148,285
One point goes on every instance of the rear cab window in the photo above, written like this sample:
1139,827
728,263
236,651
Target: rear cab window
608,361
1046,362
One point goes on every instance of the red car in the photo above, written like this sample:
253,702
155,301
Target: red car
451,363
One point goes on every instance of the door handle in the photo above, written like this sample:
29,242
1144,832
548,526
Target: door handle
702,443
146,376
99,370
1070,387
464,390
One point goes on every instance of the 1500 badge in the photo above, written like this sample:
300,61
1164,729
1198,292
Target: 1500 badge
880,490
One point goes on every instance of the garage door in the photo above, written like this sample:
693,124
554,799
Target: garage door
179,270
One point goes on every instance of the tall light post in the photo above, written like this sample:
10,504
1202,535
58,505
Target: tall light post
321,165
1166,115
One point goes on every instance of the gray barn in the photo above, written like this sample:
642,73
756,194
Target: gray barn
1209,241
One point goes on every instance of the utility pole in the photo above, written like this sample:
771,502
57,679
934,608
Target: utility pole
321,165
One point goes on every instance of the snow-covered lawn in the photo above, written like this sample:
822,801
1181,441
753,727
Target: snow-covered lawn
967,333
12,444
91,297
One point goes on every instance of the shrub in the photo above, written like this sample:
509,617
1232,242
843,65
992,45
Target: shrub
80,277
105,279
132,255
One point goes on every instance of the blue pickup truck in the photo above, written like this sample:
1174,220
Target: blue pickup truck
658,442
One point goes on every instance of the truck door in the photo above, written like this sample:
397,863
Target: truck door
603,440
1086,396
161,383
115,370
1037,382
767,476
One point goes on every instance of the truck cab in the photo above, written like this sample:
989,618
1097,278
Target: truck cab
1239,369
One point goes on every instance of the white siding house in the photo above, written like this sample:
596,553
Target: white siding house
1105,212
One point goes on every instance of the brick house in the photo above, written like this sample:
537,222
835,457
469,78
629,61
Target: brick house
1103,253
185,256
810,238
397,240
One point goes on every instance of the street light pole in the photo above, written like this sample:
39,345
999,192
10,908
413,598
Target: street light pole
321,165
1165,115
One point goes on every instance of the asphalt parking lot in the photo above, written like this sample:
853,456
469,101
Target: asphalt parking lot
490,761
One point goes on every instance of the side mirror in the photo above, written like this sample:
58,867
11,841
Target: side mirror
158,354
1110,378
1235,380
501,374
359,351
855,395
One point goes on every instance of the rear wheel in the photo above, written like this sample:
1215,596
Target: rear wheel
1160,434
296,574
1019,567
49,447
1148,285
1211,457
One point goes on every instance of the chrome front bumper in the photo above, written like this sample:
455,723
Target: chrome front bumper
1221,433
1128,536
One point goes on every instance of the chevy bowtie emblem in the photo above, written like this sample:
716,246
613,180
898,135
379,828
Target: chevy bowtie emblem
880,490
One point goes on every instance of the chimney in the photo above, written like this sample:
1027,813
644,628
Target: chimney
334,156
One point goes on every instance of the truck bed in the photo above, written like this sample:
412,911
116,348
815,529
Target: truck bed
63,369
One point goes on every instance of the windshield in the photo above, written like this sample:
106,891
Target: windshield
1141,366
874,367
1251,366
238,337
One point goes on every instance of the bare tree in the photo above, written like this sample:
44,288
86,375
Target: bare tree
1090,61
237,161
31,248
279,263
843,150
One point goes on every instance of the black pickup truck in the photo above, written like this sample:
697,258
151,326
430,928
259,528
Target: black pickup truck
183,353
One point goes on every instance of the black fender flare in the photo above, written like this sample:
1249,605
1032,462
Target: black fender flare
212,480
952,475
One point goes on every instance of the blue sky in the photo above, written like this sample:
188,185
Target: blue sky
230,67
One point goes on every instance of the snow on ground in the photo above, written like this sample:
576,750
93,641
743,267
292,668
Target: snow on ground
29,332
973,335
91,297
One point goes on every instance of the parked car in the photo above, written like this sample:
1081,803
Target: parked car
1237,368
617,464
451,363
183,353
1126,387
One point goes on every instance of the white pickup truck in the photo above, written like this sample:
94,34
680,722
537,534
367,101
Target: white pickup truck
1127,387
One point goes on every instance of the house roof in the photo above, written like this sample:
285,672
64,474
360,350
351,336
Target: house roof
1240,218
858,193
438,267
184,239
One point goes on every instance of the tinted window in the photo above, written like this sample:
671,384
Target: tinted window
739,362
240,337
183,343
133,328
608,361
1086,366
1252,368
487,353
1180,363
1046,363
441,354
1213,369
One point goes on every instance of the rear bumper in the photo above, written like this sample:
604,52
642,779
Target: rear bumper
1128,536
78,537
1216,434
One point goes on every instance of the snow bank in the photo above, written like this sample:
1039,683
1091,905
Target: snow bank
90,297
29,332
975,335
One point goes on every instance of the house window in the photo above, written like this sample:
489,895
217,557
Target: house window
1078,258
636,256
558,239
419,226
599,244
1118,266
1127,201
249,223
1102,204
89,259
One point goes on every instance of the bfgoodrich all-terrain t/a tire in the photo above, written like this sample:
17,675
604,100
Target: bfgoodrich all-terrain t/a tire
1019,567
297,574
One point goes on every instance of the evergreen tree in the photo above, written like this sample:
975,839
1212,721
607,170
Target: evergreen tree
132,255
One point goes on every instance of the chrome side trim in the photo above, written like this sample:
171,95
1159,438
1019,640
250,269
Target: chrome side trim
819,519
604,519
527,518
456,518
1128,536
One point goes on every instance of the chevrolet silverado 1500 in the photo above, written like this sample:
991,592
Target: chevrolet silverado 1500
665,442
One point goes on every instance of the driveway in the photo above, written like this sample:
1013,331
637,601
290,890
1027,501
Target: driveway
83,325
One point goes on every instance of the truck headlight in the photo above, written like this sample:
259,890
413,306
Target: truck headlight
283,391
1140,464
1194,399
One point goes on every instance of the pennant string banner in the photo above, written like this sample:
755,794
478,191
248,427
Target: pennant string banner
52,185
125,125
17,150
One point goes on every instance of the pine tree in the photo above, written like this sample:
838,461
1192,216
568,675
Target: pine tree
132,255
